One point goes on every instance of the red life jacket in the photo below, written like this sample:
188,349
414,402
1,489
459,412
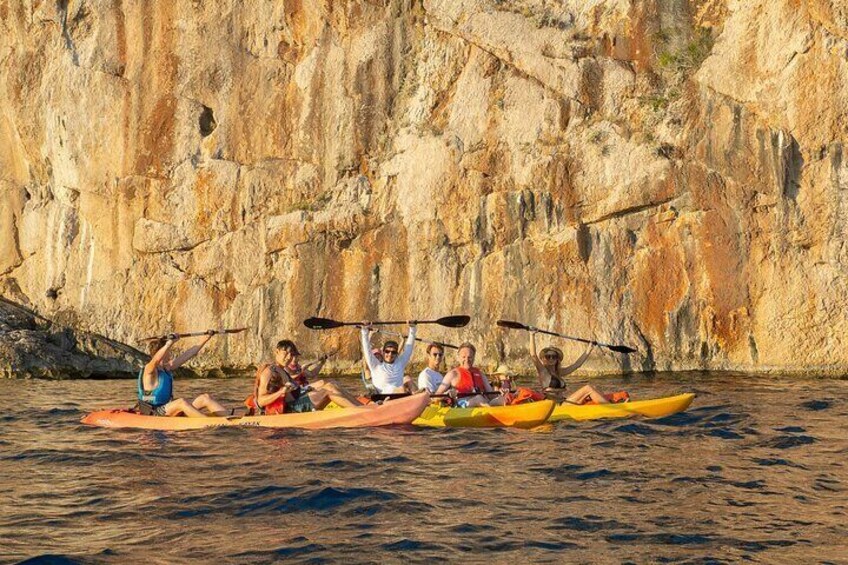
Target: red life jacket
275,383
470,380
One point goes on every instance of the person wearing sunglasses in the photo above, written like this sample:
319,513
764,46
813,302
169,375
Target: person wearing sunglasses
552,375
387,375
430,378
469,382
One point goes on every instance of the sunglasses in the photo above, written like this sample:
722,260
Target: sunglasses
390,352
437,354
551,356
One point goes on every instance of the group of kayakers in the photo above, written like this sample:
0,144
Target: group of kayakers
283,385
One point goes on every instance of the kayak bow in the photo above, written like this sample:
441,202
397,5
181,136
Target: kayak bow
653,408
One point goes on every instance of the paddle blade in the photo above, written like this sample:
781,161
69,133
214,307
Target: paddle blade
621,349
454,321
511,325
321,324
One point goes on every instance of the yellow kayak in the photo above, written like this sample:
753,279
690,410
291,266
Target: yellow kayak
654,408
525,416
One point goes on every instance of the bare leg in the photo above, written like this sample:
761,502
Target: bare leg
210,404
475,401
584,392
497,401
180,406
319,398
339,395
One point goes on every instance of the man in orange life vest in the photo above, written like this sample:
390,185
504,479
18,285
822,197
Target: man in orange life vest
467,380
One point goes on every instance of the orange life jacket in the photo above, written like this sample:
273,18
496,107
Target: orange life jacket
470,380
522,395
275,383
612,397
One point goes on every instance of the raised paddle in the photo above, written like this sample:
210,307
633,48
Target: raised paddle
520,326
194,334
398,334
327,324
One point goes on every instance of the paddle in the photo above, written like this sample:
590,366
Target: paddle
376,397
328,324
520,326
398,334
322,358
195,334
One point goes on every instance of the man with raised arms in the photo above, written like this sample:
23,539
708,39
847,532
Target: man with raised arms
387,375
468,381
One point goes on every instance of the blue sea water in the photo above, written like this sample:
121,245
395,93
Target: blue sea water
754,472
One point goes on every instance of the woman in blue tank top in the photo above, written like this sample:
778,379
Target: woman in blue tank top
156,382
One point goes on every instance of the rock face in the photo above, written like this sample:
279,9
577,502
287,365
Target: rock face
33,347
660,173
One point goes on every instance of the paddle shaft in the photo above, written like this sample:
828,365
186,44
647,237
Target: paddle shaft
520,326
195,334
398,334
463,395
328,324
395,323
375,397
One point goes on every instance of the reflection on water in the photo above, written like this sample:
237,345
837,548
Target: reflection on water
753,471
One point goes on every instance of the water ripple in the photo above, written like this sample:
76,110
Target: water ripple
738,477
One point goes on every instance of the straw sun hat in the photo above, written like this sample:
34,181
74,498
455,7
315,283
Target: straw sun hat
555,350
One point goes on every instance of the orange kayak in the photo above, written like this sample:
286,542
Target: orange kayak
397,411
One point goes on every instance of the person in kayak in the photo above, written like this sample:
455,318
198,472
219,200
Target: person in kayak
156,382
468,381
552,375
387,375
321,392
274,389
430,378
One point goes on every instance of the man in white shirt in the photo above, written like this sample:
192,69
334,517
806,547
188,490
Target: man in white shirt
430,378
387,375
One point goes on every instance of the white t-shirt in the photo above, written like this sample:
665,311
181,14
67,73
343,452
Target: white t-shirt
387,377
429,380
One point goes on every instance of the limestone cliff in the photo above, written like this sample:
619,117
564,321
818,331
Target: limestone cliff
660,173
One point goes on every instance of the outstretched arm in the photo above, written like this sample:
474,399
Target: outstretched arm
159,355
370,360
406,355
149,376
184,357
577,364
312,369
534,355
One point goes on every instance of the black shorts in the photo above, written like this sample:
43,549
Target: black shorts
149,410
302,404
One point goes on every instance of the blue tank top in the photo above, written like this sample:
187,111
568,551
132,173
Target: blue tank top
163,392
